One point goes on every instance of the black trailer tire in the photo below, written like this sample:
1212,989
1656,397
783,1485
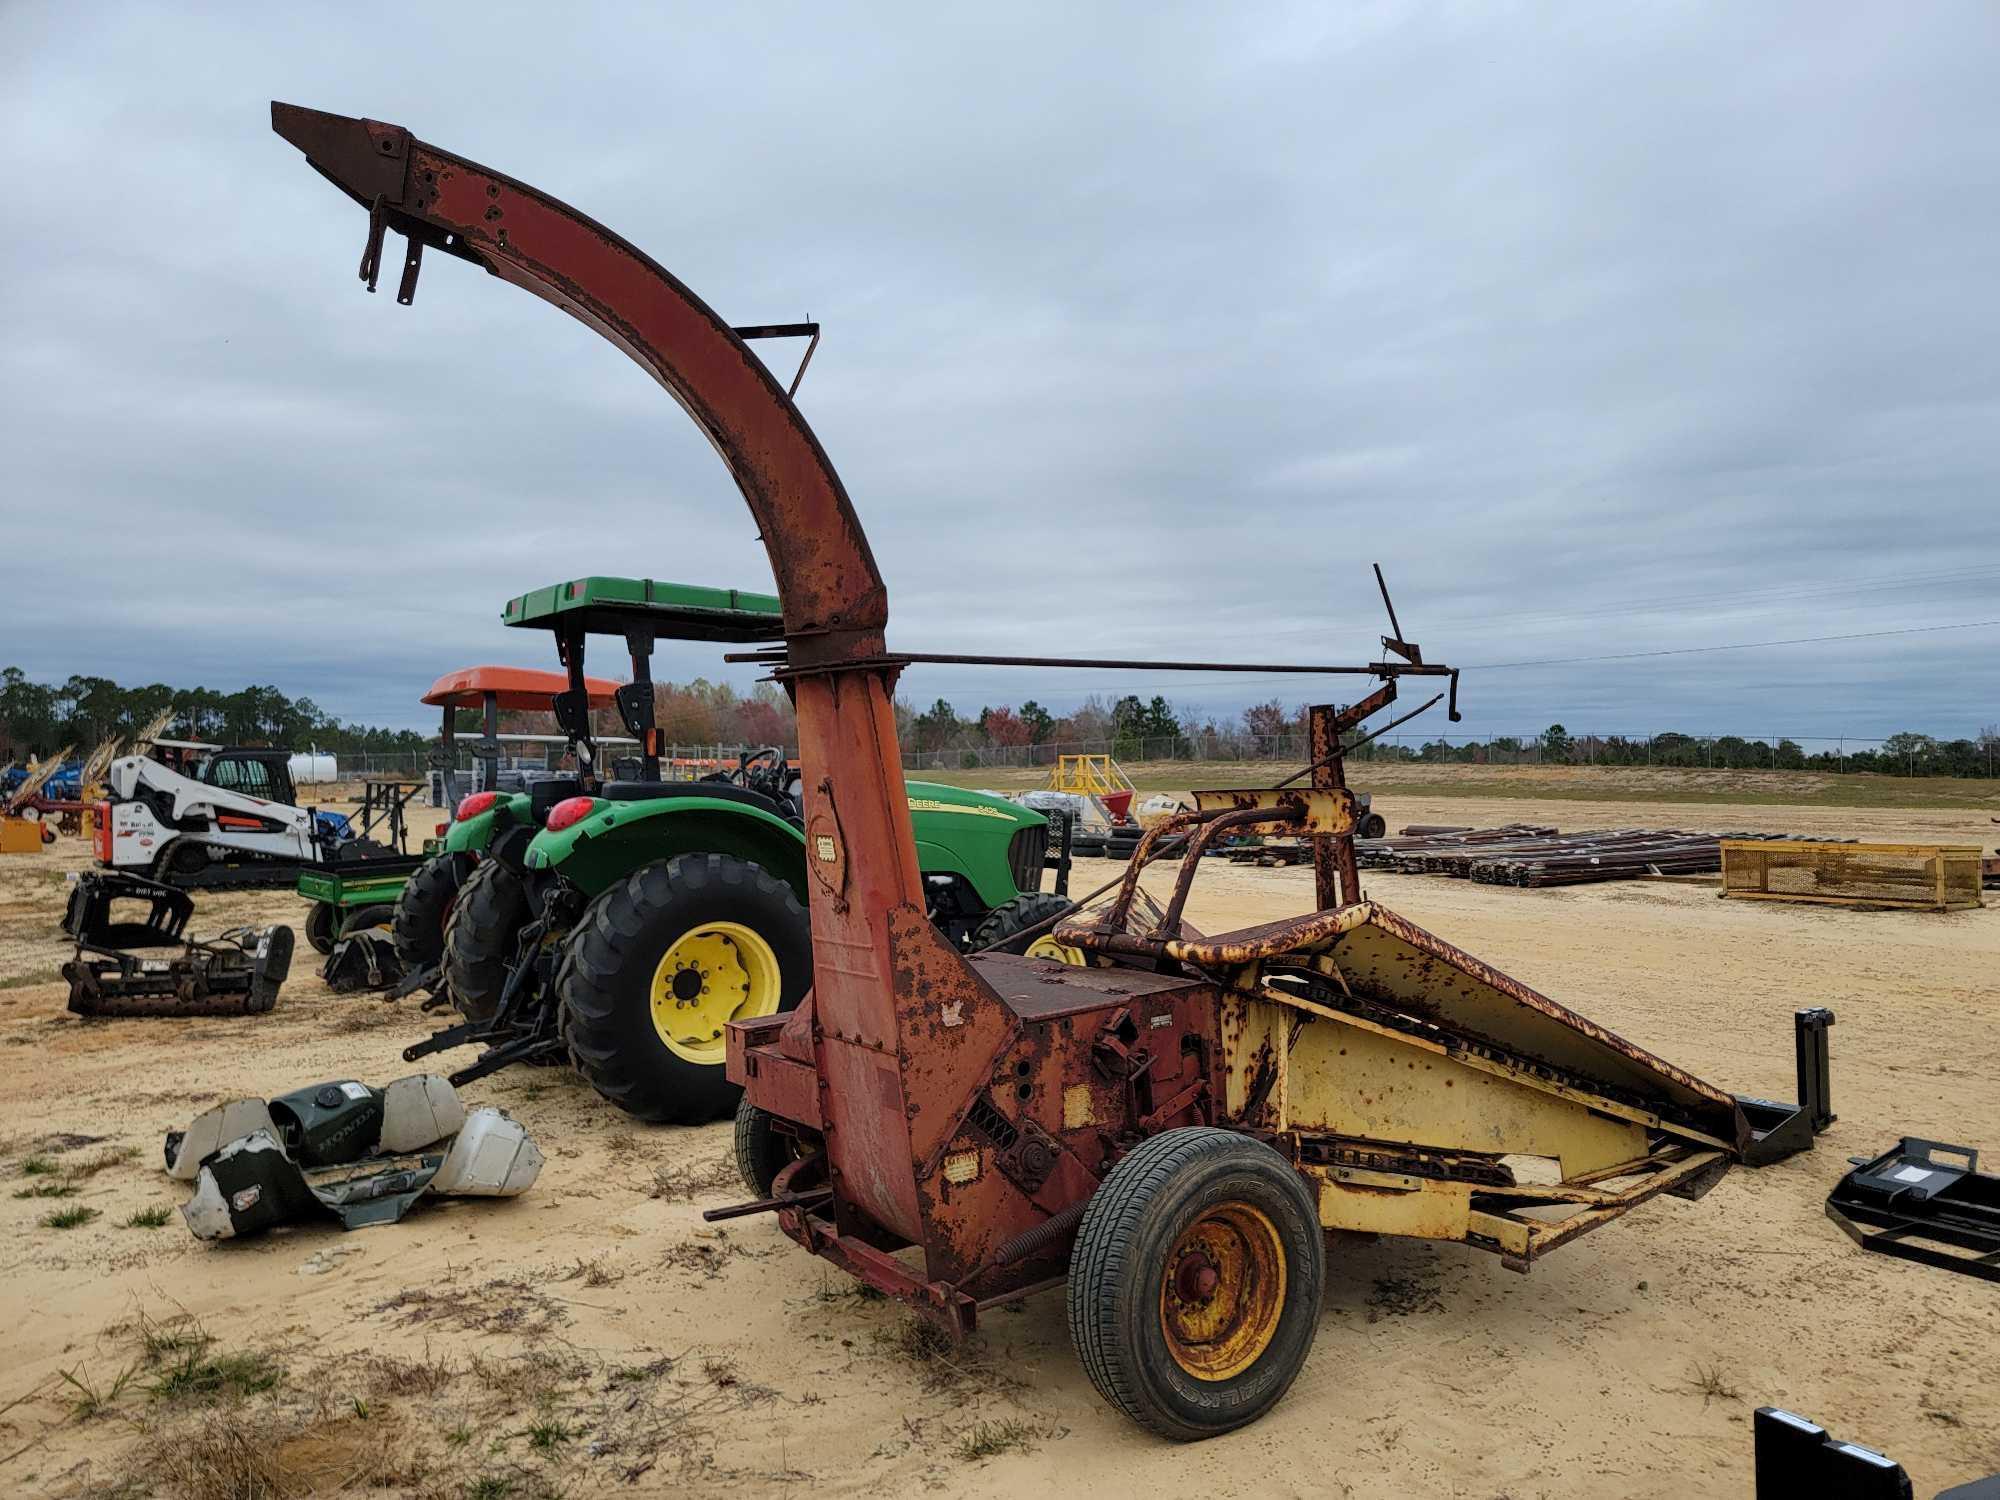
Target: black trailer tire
1373,826
320,924
738,945
762,1150
425,906
480,938
1010,917
1195,1282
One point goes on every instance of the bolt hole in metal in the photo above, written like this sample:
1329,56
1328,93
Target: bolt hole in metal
1023,1068
1024,1091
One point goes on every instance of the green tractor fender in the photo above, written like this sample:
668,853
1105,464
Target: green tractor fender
472,835
617,838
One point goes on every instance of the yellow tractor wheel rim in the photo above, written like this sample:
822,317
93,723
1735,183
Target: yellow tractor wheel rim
709,976
1046,946
1222,1291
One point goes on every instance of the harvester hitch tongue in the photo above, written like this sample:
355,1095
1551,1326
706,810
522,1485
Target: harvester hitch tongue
1338,1070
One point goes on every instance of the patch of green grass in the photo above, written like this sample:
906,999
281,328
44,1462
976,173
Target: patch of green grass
68,1218
172,1339
459,1436
48,1190
150,1218
39,1166
548,1434
198,1377
991,1439
90,1399
489,1487
33,976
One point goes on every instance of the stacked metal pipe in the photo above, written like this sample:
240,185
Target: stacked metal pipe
1525,854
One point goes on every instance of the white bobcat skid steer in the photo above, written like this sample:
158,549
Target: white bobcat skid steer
236,810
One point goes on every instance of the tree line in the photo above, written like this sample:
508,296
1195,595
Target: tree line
36,718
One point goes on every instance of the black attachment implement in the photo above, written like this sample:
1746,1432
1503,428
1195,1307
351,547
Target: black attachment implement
1909,1204
237,973
89,916
1798,1459
1781,1130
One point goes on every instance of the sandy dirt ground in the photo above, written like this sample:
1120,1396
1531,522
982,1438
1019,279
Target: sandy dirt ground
594,1337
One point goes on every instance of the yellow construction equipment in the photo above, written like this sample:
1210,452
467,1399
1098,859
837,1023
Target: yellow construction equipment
1089,776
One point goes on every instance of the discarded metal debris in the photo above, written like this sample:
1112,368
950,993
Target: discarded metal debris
99,897
237,973
1908,1203
363,1155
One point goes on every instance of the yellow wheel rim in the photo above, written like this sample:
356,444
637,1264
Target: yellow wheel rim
1046,946
709,976
1222,1291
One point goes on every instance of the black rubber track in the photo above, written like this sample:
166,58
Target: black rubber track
1010,917
604,984
1114,1281
424,906
480,938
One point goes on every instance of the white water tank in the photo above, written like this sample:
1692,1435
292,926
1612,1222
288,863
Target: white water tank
313,767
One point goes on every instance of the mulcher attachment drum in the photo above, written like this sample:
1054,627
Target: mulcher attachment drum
236,974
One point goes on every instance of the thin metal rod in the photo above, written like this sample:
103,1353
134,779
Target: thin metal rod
1383,585
959,659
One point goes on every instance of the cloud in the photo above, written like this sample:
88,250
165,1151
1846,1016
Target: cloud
1147,329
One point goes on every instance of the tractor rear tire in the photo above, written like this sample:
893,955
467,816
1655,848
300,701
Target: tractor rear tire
1029,909
660,962
1195,1282
480,937
425,906
1373,826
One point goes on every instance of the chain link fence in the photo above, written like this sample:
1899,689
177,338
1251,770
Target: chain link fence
1896,755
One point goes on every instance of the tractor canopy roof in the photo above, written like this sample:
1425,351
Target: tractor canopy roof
671,611
514,687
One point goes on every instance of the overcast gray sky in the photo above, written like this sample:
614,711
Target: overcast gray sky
1605,328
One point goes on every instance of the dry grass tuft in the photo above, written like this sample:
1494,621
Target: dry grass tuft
700,1179
1708,1383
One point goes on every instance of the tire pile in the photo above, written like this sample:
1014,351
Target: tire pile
1534,855
1119,841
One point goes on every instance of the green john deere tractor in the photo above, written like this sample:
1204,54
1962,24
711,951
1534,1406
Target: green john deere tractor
619,924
